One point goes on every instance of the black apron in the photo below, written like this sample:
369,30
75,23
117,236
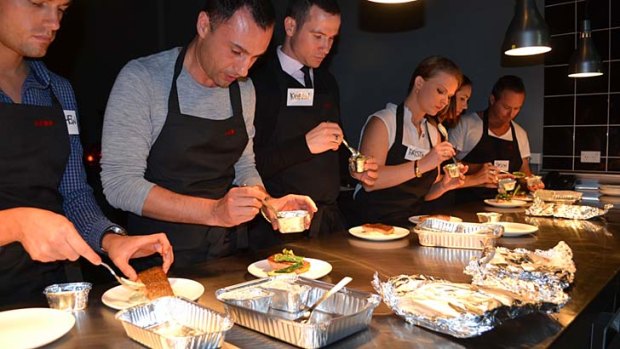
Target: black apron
396,204
319,177
195,156
35,150
489,149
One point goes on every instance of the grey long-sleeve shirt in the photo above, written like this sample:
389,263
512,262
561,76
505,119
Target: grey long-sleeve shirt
136,113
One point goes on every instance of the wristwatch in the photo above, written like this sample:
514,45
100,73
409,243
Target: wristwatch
113,229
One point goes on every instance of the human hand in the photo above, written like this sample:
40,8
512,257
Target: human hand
449,183
293,202
487,176
48,236
122,248
440,153
370,174
326,136
239,205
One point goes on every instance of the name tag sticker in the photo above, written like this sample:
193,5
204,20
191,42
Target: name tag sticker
72,124
296,97
502,164
415,153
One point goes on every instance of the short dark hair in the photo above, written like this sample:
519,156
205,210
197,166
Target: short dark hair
508,82
299,9
220,11
432,65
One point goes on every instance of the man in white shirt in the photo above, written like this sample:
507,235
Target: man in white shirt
492,137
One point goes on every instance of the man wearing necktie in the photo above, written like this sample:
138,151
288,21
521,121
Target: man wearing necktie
297,119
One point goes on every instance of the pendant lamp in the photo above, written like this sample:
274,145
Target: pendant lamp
585,62
391,1
527,33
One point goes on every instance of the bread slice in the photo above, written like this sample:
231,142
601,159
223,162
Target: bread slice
156,282
378,227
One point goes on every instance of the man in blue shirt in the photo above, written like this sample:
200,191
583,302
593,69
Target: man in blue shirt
47,209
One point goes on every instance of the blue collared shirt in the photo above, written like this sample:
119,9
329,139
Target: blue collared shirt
79,202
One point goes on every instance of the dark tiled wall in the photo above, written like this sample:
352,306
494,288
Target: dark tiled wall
582,114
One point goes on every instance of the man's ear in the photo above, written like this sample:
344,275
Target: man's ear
290,26
203,25
491,100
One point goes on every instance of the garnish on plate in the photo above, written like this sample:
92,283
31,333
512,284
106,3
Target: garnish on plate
287,262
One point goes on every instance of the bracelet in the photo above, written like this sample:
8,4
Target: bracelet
416,168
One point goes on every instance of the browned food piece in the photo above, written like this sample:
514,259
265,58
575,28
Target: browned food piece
378,227
442,217
156,282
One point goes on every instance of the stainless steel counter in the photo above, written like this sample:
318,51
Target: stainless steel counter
595,244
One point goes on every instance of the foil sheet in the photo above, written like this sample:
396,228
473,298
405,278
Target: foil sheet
540,208
567,196
174,322
542,275
341,315
288,295
457,309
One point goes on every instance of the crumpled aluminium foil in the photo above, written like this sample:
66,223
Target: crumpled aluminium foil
439,225
457,309
540,208
542,274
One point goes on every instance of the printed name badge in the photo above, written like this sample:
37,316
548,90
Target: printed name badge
415,153
72,124
503,165
299,97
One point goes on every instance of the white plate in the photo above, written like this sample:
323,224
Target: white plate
121,297
610,186
416,219
512,229
610,191
399,233
33,327
511,203
318,269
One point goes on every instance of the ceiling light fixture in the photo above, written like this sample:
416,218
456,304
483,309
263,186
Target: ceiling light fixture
527,33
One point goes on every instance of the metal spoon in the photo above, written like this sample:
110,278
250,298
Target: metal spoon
353,151
308,313
444,133
123,281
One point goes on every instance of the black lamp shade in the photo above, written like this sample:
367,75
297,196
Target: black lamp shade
527,33
585,62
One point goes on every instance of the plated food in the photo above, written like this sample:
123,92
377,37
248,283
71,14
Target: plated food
505,203
287,262
121,297
378,232
317,268
156,283
443,217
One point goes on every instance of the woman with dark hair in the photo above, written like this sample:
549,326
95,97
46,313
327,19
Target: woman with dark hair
451,115
408,148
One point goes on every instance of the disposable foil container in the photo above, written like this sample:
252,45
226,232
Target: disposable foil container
343,314
251,298
567,196
457,309
288,295
440,233
542,274
175,322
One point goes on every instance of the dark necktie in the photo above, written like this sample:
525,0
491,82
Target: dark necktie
307,79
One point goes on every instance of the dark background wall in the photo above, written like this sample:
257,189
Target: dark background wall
582,114
378,48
